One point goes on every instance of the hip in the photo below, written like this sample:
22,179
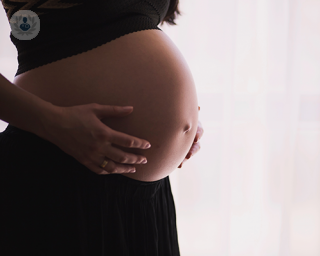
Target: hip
53,205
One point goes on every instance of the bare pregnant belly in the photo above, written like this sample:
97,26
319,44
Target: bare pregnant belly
143,69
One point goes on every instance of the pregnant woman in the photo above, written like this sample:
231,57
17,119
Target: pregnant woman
109,53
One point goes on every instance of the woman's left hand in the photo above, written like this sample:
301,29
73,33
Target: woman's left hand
196,144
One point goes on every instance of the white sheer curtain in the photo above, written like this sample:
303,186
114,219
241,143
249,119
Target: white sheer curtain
253,188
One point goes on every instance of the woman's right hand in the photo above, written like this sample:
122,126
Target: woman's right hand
78,131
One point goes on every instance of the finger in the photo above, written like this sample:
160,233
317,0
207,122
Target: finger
194,149
196,138
119,156
112,167
184,160
180,166
201,131
198,134
96,169
125,140
105,111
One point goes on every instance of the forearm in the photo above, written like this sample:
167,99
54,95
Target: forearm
23,109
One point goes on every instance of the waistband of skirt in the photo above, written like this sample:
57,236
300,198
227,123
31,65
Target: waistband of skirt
125,187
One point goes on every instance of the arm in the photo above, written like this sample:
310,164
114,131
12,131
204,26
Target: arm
23,109
76,130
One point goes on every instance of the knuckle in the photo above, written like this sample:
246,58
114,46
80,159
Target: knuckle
130,143
123,159
111,167
93,147
102,135
115,170
144,159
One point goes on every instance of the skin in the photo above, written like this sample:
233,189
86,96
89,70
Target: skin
143,69
195,145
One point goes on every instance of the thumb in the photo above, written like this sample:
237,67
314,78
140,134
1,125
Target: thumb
123,109
103,111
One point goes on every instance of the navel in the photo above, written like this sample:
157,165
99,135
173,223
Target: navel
187,128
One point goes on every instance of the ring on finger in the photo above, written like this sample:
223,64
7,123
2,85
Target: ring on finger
104,164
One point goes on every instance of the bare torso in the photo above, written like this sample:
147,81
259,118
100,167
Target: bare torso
143,69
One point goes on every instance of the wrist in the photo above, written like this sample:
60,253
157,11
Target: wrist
48,117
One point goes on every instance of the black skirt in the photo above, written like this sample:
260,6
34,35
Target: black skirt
53,205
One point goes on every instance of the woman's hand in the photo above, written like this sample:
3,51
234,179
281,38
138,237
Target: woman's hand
78,131
196,144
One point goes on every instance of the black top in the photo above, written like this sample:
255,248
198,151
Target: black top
71,27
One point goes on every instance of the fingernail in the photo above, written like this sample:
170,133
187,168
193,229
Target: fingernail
148,146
